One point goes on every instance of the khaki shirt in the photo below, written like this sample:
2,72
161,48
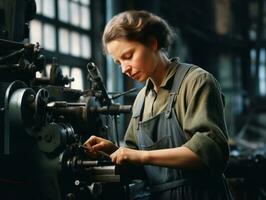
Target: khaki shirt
200,111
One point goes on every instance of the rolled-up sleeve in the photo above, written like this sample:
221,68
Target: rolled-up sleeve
204,122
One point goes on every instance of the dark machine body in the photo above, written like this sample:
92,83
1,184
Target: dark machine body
43,126
43,123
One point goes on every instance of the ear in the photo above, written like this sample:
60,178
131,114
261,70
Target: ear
153,43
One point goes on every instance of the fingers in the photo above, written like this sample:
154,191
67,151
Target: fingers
89,151
97,144
87,147
120,156
98,147
91,142
113,157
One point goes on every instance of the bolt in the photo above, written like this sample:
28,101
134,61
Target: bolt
30,98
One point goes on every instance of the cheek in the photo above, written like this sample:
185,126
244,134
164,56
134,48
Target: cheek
144,61
148,63
137,64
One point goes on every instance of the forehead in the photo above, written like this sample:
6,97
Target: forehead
119,46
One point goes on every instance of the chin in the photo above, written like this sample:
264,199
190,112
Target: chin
141,79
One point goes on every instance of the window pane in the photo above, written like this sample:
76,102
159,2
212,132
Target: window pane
75,44
65,70
74,12
48,8
78,82
262,73
253,57
35,31
85,17
49,37
63,10
86,47
85,2
39,6
64,41
225,71
47,70
38,75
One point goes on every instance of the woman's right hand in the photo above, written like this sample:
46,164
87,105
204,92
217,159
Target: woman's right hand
94,144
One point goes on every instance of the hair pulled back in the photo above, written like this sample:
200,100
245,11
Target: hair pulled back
138,26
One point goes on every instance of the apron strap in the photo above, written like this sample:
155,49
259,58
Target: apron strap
139,109
178,79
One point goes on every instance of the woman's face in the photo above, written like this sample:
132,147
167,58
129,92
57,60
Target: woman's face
136,60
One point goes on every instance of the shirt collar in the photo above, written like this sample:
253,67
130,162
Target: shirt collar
166,83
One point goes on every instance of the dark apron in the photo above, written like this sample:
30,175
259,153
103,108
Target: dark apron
163,131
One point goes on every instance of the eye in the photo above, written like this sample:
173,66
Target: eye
127,56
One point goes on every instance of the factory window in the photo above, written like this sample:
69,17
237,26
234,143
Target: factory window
36,32
74,16
48,8
75,44
85,17
63,12
47,70
262,73
39,6
65,70
85,46
63,29
253,62
49,37
64,41
261,69
73,73
76,72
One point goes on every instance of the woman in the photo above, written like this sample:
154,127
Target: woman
177,130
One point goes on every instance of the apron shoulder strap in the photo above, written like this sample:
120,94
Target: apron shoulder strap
180,74
178,79
139,108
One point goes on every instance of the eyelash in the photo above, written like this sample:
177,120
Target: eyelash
128,56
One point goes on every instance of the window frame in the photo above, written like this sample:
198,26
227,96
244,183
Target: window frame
68,59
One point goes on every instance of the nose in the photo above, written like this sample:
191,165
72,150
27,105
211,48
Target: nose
125,68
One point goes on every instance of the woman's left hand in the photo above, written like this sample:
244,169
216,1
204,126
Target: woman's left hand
125,155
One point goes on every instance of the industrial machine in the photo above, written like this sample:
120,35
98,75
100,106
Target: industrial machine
44,123
43,127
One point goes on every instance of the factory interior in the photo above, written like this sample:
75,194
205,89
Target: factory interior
51,101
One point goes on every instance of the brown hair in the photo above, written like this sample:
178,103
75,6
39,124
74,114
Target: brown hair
138,26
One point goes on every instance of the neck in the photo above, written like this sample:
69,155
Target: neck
160,71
